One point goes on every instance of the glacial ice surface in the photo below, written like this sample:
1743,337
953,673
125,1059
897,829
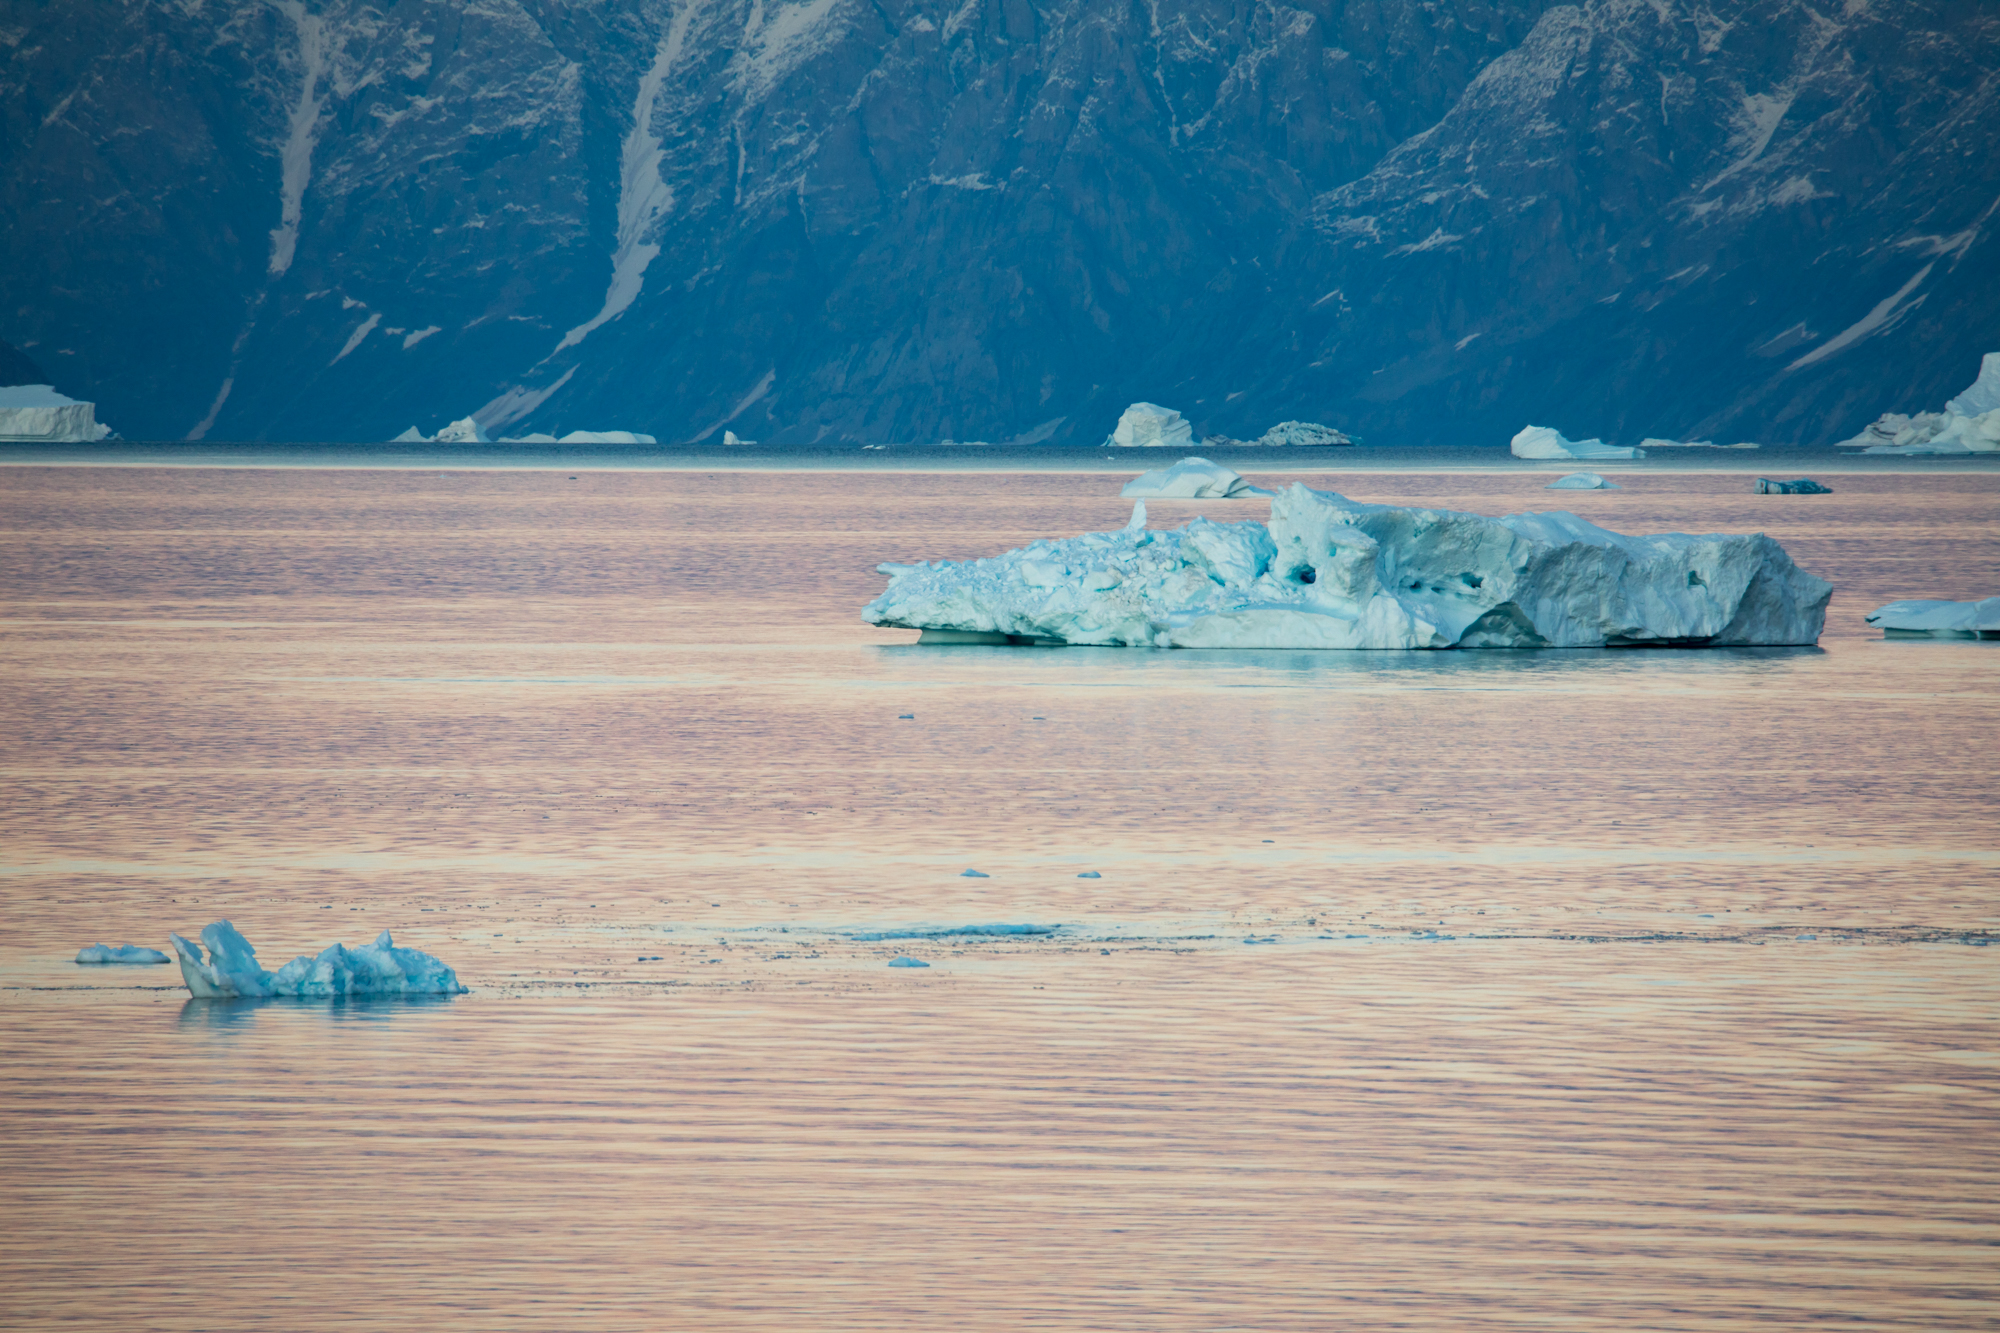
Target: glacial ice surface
38,412
231,969
1942,620
1329,572
1148,425
1548,442
124,953
1581,481
1190,479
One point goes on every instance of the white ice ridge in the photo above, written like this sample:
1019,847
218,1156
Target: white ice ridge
1148,425
1969,424
1940,620
231,970
1581,481
38,412
1329,572
1548,442
1190,479
124,953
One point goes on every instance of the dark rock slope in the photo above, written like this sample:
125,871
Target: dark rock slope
1427,221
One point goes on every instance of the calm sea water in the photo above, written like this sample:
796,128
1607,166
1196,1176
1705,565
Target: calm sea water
1444,991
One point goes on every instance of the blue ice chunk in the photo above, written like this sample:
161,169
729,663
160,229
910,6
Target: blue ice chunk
231,970
973,874
1090,874
124,953
949,932
908,962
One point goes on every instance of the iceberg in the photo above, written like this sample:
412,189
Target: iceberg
1940,620
533,437
36,412
1334,573
411,435
1190,479
124,953
465,430
606,437
1150,426
231,970
1581,481
1652,442
1304,433
1799,486
1548,442
731,437
1969,424
907,962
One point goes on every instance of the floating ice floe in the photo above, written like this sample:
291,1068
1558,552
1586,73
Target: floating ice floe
1652,442
1940,620
1304,433
1329,572
231,970
1548,442
908,962
124,953
34,412
995,929
465,430
606,437
1969,424
1190,479
1797,486
1581,481
1150,426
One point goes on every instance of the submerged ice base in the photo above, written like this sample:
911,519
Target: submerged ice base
231,970
1329,572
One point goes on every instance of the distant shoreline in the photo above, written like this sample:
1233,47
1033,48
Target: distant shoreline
1770,460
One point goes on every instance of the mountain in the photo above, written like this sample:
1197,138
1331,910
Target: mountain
1425,221
16,368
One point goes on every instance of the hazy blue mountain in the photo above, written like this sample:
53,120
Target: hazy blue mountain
1426,221
17,368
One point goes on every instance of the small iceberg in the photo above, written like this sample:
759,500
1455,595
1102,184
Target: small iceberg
1939,620
907,962
1799,486
1333,573
730,437
1581,481
1548,442
465,430
124,953
36,412
411,435
534,437
231,970
1650,442
606,437
1303,434
1969,424
973,874
1190,479
1150,426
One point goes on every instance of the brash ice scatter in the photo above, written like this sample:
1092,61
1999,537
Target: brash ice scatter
1329,572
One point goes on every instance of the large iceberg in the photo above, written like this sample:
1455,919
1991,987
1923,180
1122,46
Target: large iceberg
1940,620
37,412
1969,424
1307,433
231,970
1329,572
466,430
124,953
1190,479
1548,442
1148,425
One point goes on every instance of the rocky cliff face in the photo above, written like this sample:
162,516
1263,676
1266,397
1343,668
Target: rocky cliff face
1427,221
